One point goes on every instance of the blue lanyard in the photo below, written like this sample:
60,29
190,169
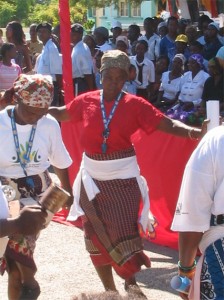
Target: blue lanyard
106,121
23,159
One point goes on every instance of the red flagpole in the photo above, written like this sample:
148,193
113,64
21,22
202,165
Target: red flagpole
70,131
65,28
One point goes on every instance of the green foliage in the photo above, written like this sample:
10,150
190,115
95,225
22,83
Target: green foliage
43,12
89,25
29,11
7,12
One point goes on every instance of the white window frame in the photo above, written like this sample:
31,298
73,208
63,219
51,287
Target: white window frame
124,8
136,10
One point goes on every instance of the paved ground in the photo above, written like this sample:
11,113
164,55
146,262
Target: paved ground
65,269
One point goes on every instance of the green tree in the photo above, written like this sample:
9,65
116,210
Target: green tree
7,11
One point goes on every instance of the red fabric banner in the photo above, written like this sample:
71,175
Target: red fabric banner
162,160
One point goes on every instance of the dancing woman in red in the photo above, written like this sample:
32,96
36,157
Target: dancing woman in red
109,188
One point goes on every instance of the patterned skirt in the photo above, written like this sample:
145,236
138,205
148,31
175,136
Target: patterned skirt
212,273
111,222
21,248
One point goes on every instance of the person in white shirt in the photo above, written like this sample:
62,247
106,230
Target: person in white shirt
49,62
30,142
152,39
220,53
82,63
145,70
171,84
199,218
190,98
101,35
116,29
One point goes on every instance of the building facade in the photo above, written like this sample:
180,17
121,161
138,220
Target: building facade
125,12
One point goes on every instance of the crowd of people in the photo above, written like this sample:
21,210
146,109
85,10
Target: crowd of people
159,80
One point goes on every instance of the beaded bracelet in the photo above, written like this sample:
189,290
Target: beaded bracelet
190,134
186,269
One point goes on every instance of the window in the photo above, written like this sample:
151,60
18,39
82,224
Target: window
93,12
136,10
123,8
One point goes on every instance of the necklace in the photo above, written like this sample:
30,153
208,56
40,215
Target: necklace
25,158
106,121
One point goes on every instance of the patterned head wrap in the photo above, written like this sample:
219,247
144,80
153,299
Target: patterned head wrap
198,58
34,90
115,59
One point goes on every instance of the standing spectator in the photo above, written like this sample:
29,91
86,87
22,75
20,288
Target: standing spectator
98,57
191,33
182,24
35,46
82,64
49,61
162,29
133,35
116,29
152,39
130,85
9,71
167,44
220,53
203,22
90,41
122,43
181,43
101,35
161,66
145,70
15,35
197,48
212,43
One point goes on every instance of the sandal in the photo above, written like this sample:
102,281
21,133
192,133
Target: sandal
29,294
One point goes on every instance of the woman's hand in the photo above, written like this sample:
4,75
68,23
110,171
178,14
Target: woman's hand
204,127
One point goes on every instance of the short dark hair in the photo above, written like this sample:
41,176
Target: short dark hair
165,57
136,28
197,44
143,42
5,48
172,18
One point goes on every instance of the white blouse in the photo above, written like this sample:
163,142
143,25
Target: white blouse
170,87
192,88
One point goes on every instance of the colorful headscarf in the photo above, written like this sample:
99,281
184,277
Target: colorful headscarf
198,58
115,59
34,90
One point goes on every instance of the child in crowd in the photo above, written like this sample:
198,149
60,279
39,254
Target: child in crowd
9,71
145,70
130,85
